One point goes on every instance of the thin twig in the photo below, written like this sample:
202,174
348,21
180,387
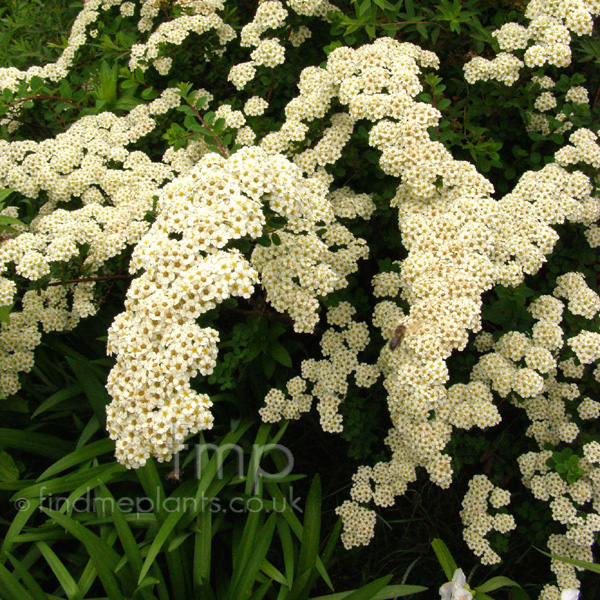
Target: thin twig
89,279
223,151
596,97
45,97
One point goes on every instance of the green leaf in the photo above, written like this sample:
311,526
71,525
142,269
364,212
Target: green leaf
5,313
244,549
94,390
105,559
270,571
6,220
588,566
178,540
82,454
387,593
4,194
202,549
10,586
8,469
128,541
295,525
19,521
280,354
57,398
368,592
268,364
61,572
128,84
285,537
68,483
36,443
164,533
311,532
495,583
251,569
364,8
444,557
148,93
29,580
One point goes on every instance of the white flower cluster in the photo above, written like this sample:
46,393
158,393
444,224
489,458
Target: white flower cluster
460,243
527,365
255,106
475,514
504,68
358,522
270,52
175,31
583,148
549,31
75,165
581,299
329,376
302,267
387,283
186,272
540,123
570,505
299,36
10,77
416,371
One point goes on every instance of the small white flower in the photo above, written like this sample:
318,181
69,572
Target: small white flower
569,594
456,590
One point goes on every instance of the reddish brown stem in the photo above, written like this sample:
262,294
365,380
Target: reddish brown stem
222,150
45,97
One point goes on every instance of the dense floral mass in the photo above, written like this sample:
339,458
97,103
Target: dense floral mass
186,217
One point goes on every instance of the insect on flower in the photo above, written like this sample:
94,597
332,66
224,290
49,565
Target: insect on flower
401,330
395,340
174,475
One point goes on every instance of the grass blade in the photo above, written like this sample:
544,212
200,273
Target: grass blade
34,442
202,550
57,398
32,585
104,557
92,387
495,583
61,572
82,454
243,589
387,593
11,588
287,546
444,557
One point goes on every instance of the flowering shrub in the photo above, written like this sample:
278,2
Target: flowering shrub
251,206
